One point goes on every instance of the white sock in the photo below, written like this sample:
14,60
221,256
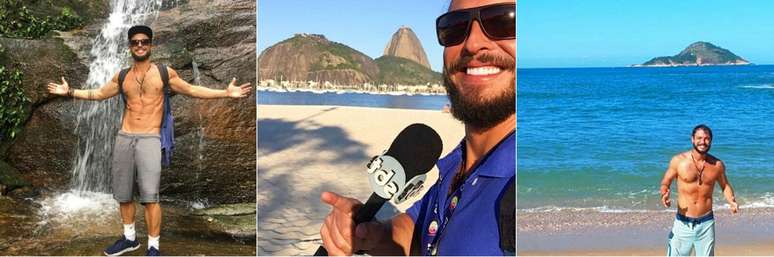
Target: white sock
129,232
153,242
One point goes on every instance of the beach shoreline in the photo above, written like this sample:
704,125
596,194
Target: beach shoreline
343,91
636,233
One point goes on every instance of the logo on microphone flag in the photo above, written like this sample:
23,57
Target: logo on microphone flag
386,176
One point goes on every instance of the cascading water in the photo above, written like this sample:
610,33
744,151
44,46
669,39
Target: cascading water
200,131
201,144
99,121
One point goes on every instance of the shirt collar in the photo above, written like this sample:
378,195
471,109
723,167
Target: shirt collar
499,162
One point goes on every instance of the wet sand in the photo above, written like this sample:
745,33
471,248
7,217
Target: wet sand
641,233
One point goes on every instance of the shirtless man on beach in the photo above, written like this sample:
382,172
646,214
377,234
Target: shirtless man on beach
696,172
137,151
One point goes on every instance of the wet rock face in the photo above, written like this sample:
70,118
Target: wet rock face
86,9
234,220
23,231
215,139
43,152
43,61
10,179
214,159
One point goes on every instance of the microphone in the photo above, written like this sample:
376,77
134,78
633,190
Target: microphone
399,173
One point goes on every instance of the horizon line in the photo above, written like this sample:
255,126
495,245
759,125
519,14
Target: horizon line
597,67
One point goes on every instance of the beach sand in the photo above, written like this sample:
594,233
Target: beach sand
637,233
305,150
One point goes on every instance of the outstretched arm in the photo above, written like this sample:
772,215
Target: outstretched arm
669,175
181,86
728,191
107,91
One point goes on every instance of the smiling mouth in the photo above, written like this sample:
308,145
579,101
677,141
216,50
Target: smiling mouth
482,71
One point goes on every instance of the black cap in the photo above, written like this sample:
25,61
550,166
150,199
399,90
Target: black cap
140,29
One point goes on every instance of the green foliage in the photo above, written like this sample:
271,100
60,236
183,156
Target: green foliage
12,102
323,45
397,70
341,66
340,50
20,22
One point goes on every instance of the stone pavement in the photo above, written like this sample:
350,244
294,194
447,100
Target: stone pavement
305,150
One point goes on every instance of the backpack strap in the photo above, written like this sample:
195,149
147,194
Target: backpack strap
507,219
164,78
121,78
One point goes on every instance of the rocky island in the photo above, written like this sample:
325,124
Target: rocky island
697,54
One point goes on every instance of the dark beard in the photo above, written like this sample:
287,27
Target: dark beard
141,58
482,114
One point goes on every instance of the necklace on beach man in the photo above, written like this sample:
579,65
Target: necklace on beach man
701,170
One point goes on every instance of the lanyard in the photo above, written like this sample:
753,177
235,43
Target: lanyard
437,224
432,248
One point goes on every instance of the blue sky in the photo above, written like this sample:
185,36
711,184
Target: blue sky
363,25
613,33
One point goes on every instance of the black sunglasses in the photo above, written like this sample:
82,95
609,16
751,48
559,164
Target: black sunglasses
498,22
144,42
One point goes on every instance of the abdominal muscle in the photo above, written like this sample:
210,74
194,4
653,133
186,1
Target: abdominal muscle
694,200
143,116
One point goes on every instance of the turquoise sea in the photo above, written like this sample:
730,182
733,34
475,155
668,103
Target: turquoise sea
601,138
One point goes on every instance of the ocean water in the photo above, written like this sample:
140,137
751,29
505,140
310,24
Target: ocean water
601,138
424,102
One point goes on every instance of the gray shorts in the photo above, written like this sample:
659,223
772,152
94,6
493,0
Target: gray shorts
136,158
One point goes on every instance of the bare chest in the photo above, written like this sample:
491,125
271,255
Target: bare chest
137,87
691,172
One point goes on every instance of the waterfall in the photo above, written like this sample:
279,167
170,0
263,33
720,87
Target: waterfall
195,67
201,144
89,199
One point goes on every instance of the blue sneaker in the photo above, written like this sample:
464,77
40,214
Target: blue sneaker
152,251
122,246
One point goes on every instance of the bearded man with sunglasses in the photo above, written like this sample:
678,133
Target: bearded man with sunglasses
137,153
462,213
696,172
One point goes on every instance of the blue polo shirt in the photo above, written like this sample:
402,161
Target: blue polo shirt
472,229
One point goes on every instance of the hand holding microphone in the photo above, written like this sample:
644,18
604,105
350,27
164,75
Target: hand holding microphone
340,234
394,176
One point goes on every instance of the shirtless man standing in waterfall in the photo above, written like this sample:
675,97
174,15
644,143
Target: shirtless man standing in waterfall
137,151
696,172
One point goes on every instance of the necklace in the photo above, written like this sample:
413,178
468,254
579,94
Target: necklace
459,178
140,82
697,167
